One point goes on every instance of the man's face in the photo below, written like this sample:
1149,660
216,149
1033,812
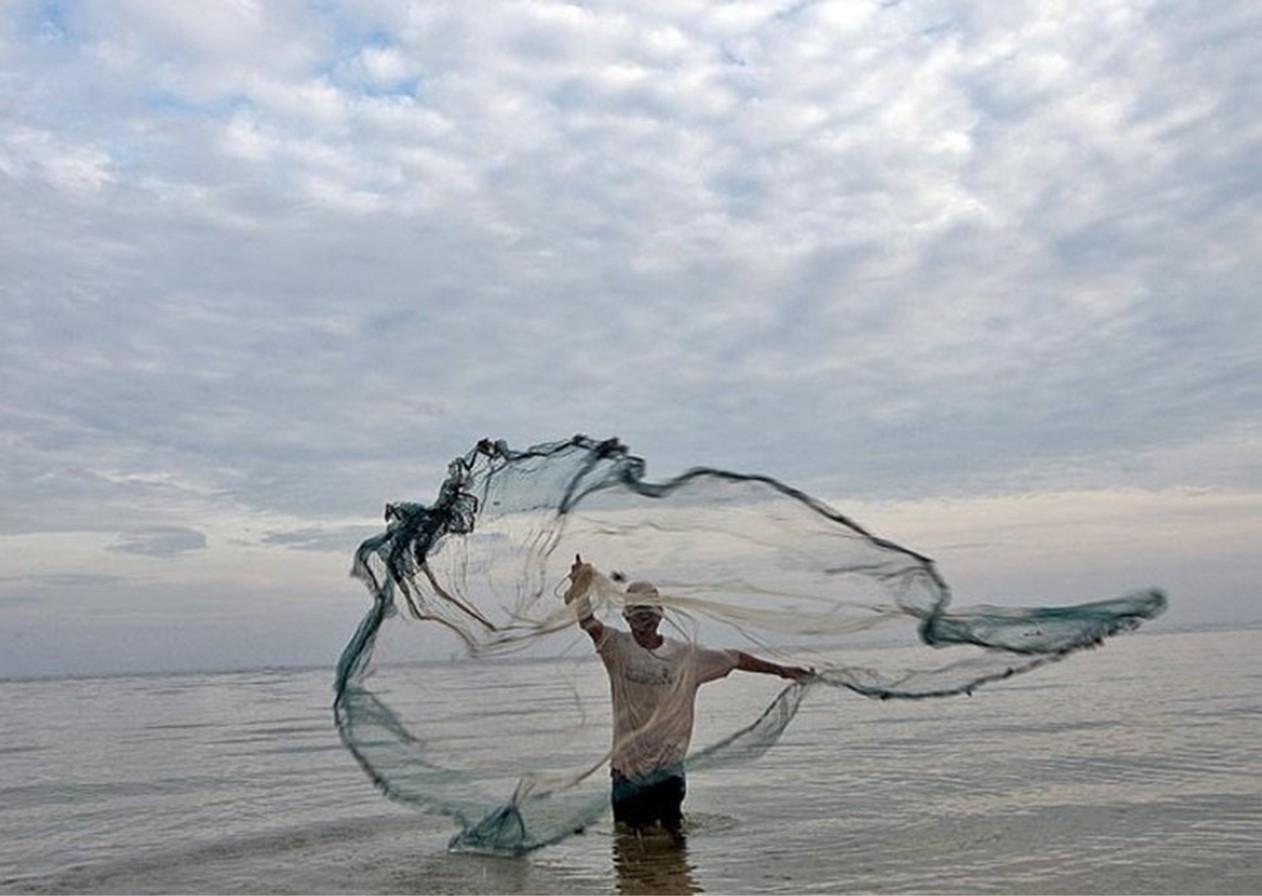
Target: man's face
643,620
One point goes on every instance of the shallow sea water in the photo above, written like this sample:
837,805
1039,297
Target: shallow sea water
1129,769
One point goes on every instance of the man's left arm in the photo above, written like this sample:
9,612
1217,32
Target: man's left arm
747,663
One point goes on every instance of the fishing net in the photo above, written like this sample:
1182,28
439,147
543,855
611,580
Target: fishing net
468,592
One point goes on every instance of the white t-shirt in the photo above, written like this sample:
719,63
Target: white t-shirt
654,692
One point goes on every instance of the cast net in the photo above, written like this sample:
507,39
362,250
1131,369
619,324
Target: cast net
509,735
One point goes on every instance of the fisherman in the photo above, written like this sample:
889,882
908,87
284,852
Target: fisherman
653,682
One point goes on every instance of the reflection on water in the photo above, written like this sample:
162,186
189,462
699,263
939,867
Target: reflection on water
652,861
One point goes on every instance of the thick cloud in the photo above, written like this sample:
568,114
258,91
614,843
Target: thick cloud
267,266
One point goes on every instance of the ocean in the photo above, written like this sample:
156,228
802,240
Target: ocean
1133,768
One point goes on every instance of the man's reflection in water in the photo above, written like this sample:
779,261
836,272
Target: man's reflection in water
652,861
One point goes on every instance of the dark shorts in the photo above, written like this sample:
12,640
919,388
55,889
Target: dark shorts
655,799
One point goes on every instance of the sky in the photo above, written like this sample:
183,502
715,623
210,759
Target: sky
982,276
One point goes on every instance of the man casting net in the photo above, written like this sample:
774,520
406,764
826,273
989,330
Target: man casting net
523,551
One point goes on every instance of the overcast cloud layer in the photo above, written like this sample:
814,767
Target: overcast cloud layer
268,265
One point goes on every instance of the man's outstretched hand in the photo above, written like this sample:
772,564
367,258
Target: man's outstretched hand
796,673
581,575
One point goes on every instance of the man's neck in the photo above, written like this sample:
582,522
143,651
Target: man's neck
648,641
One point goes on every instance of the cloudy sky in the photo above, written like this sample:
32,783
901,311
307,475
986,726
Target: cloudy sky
985,276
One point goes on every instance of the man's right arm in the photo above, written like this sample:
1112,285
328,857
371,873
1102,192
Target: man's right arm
581,578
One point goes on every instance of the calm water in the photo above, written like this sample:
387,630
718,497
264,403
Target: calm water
1130,769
